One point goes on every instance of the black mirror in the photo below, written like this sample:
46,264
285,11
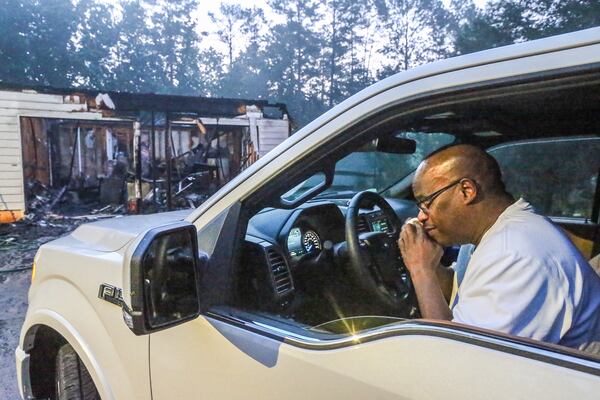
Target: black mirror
396,145
165,276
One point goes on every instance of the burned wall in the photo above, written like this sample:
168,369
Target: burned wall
96,158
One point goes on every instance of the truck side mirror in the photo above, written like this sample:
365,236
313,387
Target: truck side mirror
164,277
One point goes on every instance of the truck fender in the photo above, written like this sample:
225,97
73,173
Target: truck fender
61,325
96,330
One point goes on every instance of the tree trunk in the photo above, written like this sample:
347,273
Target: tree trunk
332,60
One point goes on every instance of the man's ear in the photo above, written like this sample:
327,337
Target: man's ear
469,190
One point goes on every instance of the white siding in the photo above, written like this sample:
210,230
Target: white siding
7,112
7,201
24,105
12,105
5,151
9,166
11,133
6,129
31,97
10,159
9,177
11,173
7,190
8,120
271,132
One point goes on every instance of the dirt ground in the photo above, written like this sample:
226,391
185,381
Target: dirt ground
18,245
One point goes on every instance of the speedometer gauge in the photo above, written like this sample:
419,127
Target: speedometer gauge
311,241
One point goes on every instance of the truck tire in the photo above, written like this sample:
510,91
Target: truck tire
73,381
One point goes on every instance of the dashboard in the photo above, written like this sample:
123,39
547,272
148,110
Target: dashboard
304,230
286,251
303,238
373,221
308,229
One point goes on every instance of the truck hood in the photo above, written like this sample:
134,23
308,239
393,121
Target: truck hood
112,234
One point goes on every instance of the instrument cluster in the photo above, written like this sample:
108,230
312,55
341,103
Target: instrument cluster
300,242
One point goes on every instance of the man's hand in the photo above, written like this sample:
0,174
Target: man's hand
422,257
420,253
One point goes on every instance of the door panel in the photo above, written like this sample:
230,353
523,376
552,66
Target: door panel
206,359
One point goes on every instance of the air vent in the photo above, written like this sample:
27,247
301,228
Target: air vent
361,225
282,280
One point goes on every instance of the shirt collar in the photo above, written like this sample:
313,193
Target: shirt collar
517,206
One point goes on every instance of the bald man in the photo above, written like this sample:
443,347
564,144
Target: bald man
517,272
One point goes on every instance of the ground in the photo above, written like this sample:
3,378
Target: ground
18,245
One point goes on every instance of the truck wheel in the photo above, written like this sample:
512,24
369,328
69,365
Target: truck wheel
73,381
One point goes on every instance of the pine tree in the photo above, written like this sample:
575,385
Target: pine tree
292,57
175,41
210,73
238,28
500,24
247,77
50,43
139,66
229,22
554,17
97,38
346,56
16,19
509,21
416,32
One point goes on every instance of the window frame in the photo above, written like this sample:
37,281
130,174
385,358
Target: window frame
271,188
593,218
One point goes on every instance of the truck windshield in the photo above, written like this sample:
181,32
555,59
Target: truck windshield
367,169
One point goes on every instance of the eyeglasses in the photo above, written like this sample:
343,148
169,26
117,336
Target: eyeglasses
425,204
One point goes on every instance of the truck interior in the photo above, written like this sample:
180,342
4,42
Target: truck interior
317,254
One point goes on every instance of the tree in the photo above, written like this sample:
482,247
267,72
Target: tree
244,76
210,73
416,32
97,38
15,21
229,23
509,21
174,40
501,23
292,57
50,49
346,36
139,67
249,70
554,17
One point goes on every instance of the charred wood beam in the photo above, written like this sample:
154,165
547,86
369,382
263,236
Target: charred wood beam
168,159
153,141
137,159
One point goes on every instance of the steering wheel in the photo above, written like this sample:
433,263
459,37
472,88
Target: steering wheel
375,262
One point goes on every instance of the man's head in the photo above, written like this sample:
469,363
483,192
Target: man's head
458,188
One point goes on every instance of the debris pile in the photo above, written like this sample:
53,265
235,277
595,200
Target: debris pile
46,204
19,241
51,213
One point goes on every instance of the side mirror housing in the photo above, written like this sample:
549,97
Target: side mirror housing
164,279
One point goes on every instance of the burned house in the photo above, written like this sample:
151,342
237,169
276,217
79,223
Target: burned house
140,150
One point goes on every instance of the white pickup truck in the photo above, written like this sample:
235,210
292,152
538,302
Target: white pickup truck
287,282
